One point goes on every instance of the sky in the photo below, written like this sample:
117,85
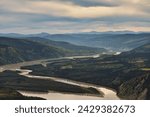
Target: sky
73,16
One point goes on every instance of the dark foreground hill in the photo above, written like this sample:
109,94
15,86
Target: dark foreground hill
138,86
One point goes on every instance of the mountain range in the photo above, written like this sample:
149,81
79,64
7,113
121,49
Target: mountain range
116,41
14,50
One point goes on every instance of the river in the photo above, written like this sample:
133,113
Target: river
109,94
43,62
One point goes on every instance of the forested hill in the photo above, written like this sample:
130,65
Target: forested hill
68,46
14,50
117,41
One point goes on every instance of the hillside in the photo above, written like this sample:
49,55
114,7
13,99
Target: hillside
113,41
12,80
68,46
15,50
139,86
139,56
117,41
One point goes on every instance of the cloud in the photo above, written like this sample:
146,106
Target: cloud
70,9
86,3
80,15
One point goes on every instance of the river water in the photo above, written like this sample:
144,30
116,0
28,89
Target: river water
109,94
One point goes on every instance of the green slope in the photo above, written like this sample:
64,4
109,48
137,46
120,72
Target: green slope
68,46
117,42
15,50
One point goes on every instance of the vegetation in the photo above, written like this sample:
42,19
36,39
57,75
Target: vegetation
113,41
70,48
146,69
13,80
10,94
122,72
14,50
128,72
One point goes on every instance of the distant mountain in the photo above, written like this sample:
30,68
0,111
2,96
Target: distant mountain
111,32
68,46
117,40
42,35
12,35
14,50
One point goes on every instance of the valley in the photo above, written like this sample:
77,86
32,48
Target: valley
123,72
14,50
40,68
91,91
115,41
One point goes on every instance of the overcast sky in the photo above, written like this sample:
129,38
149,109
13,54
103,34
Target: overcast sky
65,16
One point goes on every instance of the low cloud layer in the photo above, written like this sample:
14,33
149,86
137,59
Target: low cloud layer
62,16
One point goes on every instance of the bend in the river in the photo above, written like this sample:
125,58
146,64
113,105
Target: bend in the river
108,93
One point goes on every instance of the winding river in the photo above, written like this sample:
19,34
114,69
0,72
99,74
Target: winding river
109,94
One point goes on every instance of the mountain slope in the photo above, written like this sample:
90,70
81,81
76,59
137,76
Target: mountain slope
68,46
117,42
138,87
15,50
139,56
110,40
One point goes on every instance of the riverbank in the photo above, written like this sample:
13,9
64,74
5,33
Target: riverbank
107,93
24,77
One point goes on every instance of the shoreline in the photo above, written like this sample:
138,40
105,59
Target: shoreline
101,89
26,73
74,81
55,92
